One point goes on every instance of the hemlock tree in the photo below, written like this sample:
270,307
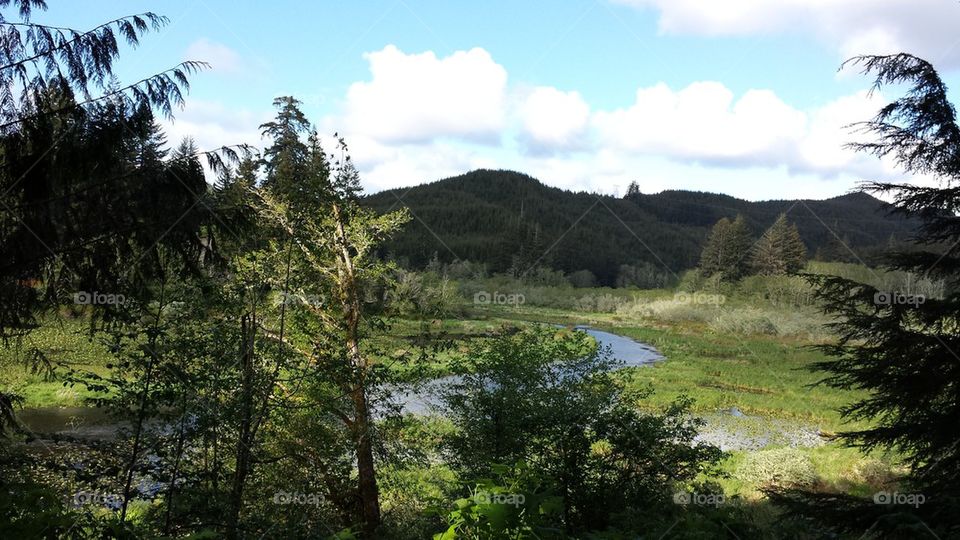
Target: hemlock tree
725,252
780,250
77,203
904,355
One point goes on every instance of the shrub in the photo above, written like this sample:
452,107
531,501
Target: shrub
778,467
778,290
582,279
414,294
668,310
744,321
599,303
643,276
574,426
875,473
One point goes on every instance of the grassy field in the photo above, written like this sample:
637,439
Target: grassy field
759,369
65,343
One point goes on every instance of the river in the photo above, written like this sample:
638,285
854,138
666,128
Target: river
728,429
89,422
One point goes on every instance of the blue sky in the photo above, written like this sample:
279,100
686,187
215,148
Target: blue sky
741,97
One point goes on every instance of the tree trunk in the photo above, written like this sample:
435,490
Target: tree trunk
144,398
172,489
369,493
247,330
350,299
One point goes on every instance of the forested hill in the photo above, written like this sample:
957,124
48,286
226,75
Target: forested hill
509,220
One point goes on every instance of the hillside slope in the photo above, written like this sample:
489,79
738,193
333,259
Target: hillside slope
508,219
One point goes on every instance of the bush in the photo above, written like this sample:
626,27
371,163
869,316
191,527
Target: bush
691,280
885,280
582,279
459,269
779,467
669,310
417,295
777,290
577,427
744,321
546,277
599,303
874,472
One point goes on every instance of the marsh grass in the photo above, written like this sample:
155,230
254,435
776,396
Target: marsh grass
33,366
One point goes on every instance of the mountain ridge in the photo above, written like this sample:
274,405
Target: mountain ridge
511,220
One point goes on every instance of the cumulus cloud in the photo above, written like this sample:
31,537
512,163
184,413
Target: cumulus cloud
419,97
704,122
830,129
922,27
553,120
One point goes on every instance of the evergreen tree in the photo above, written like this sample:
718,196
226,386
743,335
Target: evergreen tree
725,250
712,256
903,355
87,196
780,250
38,59
286,157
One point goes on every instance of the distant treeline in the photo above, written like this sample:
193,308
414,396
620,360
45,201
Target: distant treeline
511,223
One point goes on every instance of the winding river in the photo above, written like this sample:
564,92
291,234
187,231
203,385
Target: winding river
728,429
88,422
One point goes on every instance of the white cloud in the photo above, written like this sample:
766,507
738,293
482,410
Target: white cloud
553,119
703,122
823,146
926,28
419,97
222,59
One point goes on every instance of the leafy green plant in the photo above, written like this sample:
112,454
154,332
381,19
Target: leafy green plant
514,503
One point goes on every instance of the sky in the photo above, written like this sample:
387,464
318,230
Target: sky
743,97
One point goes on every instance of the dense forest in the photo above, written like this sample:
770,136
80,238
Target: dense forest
512,222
